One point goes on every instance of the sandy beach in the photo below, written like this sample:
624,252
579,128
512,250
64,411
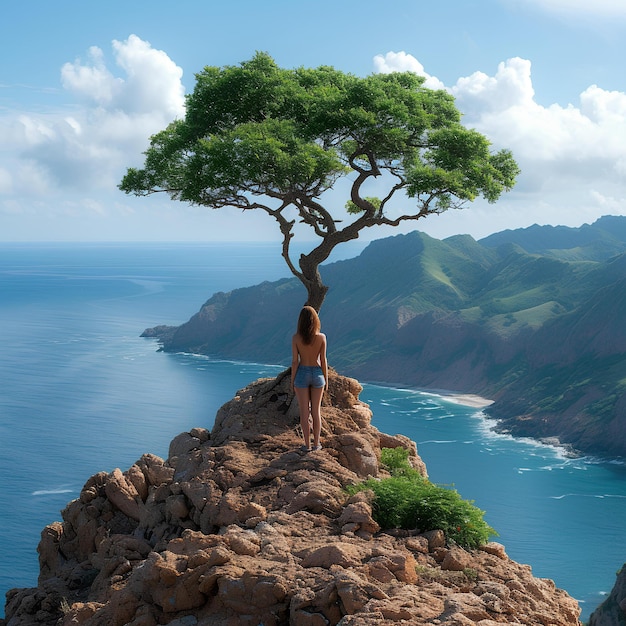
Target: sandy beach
468,399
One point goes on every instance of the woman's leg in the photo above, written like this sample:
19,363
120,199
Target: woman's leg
304,400
316,404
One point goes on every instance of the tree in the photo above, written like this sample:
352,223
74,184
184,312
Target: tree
256,136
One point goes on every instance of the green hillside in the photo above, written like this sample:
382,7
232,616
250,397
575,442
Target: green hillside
541,331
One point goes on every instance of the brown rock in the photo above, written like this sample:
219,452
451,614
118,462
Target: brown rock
123,495
240,527
456,560
50,559
436,539
496,549
156,471
338,554
183,444
137,479
355,592
176,509
358,517
80,612
417,544
358,453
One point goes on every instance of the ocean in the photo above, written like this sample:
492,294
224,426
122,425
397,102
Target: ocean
82,392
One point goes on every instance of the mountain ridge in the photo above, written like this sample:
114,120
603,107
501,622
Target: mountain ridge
540,333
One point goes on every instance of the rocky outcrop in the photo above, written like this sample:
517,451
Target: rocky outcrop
612,612
239,526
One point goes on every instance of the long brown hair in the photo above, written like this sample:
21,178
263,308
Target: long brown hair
308,324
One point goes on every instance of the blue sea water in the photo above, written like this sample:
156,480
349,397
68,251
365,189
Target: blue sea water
81,392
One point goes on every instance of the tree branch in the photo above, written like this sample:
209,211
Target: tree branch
392,192
315,215
286,227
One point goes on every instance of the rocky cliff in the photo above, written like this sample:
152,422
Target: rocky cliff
238,526
612,612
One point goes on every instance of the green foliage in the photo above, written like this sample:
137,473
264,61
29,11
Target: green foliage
353,208
408,500
471,574
396,461
257,136
260,129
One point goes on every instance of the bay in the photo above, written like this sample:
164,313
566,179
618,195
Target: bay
81,392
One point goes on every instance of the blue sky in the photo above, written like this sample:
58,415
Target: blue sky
83,85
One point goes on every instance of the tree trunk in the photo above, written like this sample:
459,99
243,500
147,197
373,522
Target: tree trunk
312,280
309,263
316,295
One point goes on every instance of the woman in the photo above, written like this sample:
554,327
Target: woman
309,373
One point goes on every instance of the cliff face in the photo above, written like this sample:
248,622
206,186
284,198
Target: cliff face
238,526
612,612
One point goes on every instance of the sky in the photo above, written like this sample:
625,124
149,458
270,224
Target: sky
83,86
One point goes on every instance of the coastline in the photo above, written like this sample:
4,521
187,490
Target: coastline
467,399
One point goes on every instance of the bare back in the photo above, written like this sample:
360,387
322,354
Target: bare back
310,354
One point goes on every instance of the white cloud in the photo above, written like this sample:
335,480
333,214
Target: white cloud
68,162
573,158
589,140
30,179
603,107
93,82
91,147
511,86
153,81
611,205
403,62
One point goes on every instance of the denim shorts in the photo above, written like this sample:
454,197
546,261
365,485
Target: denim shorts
309,376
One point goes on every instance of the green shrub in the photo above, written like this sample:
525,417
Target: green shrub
396,461
408,500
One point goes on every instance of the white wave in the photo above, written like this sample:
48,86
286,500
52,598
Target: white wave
600,496
248,365
49,492
487,425
438,441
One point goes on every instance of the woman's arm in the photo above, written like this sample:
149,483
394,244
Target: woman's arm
295,360
323,363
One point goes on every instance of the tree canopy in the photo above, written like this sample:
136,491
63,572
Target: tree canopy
257,136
